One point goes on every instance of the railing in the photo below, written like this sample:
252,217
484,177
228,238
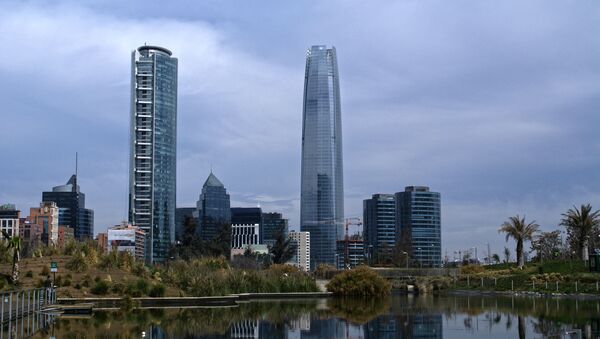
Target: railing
21,311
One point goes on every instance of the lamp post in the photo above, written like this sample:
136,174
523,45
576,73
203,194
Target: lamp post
406,253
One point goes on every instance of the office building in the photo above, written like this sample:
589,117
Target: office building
65,235
153,136
72,212
181,215
245,227
272,224
127,238
322,191
302,257
46,217
379,224
102,240
418,220
213,210
350,253
9,220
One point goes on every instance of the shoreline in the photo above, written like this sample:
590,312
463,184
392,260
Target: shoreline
491,293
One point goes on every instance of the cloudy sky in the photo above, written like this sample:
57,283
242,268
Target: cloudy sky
494,104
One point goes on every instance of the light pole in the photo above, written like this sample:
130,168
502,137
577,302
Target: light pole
406,253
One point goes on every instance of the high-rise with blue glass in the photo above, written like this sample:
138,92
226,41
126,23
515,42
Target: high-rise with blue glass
153,137
322,183
418,219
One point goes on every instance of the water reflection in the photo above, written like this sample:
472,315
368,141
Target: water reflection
396,317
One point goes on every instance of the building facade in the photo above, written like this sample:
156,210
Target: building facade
213,209
245,227
72,212
302,242
350,253
153,136
322,191
9,220
379,217
418,218
46,217
127,238
65,234
272,224
181,215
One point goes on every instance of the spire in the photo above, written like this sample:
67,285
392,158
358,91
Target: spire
213,181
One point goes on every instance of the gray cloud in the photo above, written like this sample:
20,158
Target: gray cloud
492,104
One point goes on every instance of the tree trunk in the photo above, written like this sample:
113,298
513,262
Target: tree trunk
522,327
520,257
15,269
584,251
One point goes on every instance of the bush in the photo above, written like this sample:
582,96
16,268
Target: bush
132,291
100,288
157,290
29,274
45,271
325,271
471,269
142,286
361,281
78,263
118,288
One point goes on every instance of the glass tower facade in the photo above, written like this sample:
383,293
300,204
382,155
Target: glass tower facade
322,191
153,136
418,217
72,211
213,208
379,224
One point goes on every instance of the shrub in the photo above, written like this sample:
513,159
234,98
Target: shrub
77,286
66,282
86,281
324,271
471,269
142,286
118,288
78,263
29,274
157,290
132,291
100,288
45,271
361,281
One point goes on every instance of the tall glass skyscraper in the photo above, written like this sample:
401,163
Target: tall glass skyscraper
213,209
322,186
418,218
153,136
379,225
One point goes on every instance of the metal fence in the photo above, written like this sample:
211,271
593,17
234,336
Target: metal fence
21,311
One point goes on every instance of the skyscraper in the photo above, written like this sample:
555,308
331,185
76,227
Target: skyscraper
322,191
379,217
213,208
272,225
72,212
418,219
152,167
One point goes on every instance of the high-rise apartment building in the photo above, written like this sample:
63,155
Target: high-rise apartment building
72,212
322,191
418,218
303,250
153,136
213,208
379,224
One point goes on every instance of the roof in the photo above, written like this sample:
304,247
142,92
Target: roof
213,181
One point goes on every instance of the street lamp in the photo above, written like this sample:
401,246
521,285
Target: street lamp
406,253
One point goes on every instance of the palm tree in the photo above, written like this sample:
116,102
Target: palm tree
519,230
580,224
506,255
14,242
496,258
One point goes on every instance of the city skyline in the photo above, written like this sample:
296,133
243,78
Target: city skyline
498,118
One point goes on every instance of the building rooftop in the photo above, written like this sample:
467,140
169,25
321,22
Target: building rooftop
213,181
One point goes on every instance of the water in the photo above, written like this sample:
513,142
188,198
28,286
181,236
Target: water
399,316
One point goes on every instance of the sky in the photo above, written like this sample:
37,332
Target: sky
496,105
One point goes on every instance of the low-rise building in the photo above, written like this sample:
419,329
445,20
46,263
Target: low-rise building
102,240
9,219
302,257
129,238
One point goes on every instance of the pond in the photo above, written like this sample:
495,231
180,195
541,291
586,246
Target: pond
399,316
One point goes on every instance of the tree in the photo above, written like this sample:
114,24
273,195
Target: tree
520,231
284,248
496,258
506,255
581,224
14,242
547,245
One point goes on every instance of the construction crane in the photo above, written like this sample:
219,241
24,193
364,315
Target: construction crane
349,221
